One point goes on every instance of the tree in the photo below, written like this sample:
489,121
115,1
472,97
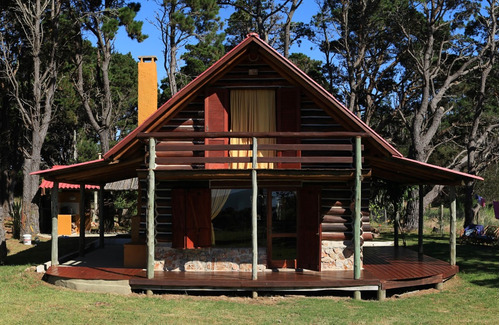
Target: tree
313,68
31,68
179,21
271,20
102,20
358,40
200,56
438,58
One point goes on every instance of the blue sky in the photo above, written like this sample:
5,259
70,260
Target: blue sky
153,46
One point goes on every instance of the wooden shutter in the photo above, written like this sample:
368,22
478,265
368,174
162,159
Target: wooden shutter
216,120
288,120
178,218
191,223
308,233
198,222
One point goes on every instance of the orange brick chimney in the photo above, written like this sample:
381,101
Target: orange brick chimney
147,100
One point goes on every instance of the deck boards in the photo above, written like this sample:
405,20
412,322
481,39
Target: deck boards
384,267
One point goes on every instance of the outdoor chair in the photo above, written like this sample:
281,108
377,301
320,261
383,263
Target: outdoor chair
478,234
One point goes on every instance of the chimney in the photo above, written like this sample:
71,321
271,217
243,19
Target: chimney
148,88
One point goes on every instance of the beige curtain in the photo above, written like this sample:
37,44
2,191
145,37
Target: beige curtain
252,111
219,198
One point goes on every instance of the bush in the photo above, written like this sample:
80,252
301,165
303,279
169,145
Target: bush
15,214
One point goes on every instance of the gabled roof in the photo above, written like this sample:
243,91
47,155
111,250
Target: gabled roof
128,152
275,59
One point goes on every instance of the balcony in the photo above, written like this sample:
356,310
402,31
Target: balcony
233,154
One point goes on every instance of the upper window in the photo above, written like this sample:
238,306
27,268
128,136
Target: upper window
252,111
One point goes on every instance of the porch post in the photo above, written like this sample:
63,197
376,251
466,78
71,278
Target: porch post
101,216
81,243
54,208
396,230
151,208
255,247
453,226
357,211
420,222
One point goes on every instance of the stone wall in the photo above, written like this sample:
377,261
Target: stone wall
338,255
207,259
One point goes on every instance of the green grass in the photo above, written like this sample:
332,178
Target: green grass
470,298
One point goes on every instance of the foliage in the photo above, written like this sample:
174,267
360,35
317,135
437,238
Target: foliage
313,68
270,19
15,214
94,83
179,23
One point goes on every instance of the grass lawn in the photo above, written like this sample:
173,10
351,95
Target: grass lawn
470,298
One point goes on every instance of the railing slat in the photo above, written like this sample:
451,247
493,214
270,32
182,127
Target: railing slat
249,135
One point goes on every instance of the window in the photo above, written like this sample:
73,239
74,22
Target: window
252,111
232,223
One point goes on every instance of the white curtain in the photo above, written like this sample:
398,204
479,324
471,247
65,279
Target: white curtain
252,111
219,199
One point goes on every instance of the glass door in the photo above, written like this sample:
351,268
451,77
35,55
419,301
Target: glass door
282,228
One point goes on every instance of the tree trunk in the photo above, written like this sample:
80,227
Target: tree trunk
411,222
3,239
29,220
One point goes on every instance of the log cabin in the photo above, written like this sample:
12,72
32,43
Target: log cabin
251,167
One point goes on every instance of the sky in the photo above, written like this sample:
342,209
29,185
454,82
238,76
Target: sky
153,45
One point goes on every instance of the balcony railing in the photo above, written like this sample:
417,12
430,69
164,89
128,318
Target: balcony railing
290,150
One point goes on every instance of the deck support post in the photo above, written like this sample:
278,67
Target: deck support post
420,222
453,226
54,209
396,230
381,294
356,233
151,208
81,242
101,216
255,247
356,295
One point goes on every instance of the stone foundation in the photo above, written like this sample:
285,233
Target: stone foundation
207,259
338,255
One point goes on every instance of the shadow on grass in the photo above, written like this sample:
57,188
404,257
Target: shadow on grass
479,262
40,253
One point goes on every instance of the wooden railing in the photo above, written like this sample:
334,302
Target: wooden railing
298,150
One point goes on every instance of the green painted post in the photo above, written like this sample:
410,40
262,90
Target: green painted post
54,207
151,208
420,222
356,235
81,243
453,226
255,252
441,219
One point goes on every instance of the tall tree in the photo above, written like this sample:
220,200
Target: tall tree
358,40
102,19
209,48
481,133
11,134
439,57
272,20
32,73
180,21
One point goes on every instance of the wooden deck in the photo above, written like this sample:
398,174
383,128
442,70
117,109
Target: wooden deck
384,268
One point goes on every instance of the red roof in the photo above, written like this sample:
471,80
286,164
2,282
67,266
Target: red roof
124,158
